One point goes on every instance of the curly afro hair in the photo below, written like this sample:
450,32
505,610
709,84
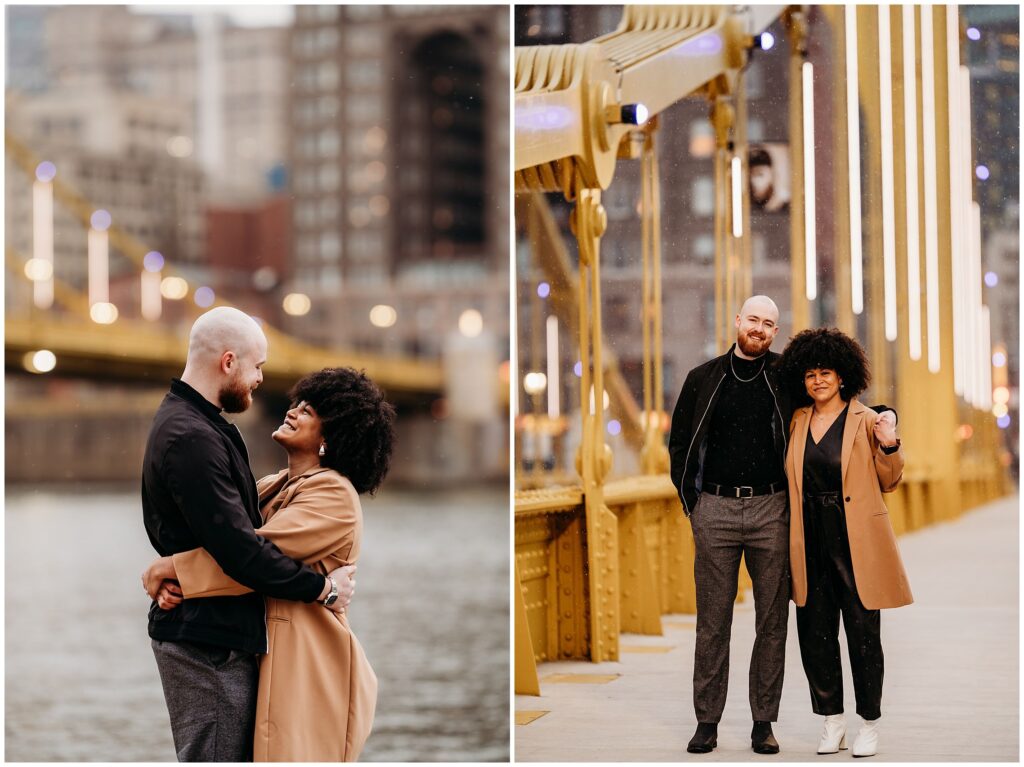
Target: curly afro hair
357,424
823,348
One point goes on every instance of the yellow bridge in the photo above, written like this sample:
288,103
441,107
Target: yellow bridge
596,557
155,350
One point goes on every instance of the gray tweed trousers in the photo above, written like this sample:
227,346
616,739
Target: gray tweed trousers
211,699
723,530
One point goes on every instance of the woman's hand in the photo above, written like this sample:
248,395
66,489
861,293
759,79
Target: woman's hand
160,570
169,595
885,429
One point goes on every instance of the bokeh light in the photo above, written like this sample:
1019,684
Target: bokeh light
179,146
204,297
153,261
1003,421
297,304
614,427
535,382
471,323
991,279
38,269
543,290
981,172
103,313
383,316
767,41
577,369
100,220
174,288
973,33
42,361
1001,395
998,359
46,171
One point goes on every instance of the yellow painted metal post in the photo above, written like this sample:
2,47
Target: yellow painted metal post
526,681
589,223
944,483
638,592
841,161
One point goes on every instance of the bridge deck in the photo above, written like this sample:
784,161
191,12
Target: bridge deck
951,677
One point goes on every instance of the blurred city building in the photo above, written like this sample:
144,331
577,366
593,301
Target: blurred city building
345,181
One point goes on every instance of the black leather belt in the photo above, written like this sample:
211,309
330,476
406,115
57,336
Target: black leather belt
746,491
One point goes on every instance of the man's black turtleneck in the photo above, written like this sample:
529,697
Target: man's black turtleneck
740,447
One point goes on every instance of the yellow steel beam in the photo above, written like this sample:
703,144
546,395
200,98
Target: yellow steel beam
567,95
137,348
548,248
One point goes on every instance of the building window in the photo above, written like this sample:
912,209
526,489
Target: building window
327,76
330,246
441,149
328,177
327,143
702,138
702,196
704,249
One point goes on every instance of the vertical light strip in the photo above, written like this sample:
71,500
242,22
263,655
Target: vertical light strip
888,170
931,216
553,363
810,237
971,239
151,304
98,266
985,361
737,197
853,147
42,240
979,354
956,202
911,167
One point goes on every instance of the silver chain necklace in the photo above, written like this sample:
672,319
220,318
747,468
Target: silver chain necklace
745,380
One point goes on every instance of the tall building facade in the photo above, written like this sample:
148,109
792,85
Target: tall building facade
399,170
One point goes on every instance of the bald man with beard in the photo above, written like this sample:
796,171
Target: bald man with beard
198,491
728,450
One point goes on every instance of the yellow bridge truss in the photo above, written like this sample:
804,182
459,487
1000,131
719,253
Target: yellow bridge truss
601,557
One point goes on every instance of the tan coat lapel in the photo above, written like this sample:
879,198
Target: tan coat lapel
798,438
854,424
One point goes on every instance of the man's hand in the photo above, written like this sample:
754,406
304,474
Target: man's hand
345,578
169,596
160,570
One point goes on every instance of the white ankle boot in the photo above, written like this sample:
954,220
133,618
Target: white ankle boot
866,743
833,737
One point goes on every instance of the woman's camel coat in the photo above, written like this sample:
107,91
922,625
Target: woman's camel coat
867,473
317,692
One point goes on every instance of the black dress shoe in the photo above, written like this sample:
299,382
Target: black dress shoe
704,740
762,740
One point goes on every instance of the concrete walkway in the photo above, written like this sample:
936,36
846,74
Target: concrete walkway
951,672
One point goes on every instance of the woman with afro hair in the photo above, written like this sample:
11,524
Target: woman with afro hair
317,692
843,557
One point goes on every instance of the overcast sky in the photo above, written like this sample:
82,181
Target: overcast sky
244,15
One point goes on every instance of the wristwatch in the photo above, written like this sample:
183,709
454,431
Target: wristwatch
331,598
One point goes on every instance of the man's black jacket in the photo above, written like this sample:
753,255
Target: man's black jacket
198,491
687,442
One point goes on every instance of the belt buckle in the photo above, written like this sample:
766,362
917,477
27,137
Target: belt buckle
741,488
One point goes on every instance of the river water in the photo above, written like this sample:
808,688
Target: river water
431,610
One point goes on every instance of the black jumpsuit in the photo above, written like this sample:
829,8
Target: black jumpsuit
831,589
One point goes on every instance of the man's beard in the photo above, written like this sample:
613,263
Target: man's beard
235,397
753,347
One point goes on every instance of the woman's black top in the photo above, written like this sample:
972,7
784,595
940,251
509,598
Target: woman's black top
823,461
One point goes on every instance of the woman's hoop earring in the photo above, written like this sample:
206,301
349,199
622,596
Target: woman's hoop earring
322,450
